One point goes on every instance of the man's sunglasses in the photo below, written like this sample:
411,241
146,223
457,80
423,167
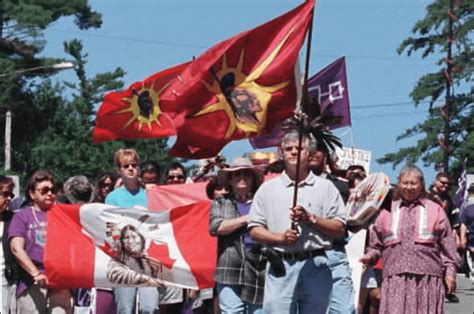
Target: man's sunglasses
179,177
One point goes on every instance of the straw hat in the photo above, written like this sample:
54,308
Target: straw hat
239,163
242,163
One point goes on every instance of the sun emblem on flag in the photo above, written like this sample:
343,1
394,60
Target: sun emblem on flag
239,95
143,105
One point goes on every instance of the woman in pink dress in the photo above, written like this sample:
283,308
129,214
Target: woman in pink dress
419,251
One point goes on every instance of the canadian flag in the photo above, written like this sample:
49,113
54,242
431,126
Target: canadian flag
169,196
99,245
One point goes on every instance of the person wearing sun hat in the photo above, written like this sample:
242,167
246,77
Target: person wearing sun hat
240,266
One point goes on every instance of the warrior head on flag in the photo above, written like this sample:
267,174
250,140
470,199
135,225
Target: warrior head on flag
132,266
240,87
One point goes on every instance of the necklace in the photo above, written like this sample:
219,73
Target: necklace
38,231
35,217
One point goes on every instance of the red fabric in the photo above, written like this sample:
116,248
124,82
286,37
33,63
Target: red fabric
197,246
164,197
262,63
379,264
66,248
70,253
161,253
119,116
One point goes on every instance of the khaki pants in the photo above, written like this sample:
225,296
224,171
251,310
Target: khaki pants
38,300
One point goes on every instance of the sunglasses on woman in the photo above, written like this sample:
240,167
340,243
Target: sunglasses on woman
45,190
7,194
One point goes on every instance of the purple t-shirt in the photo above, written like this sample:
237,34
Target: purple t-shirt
244,209
467,218
33,231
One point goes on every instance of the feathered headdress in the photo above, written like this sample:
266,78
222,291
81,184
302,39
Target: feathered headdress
318,128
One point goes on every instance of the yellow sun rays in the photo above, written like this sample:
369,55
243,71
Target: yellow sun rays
134,108
263,93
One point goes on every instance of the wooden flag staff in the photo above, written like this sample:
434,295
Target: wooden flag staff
305,106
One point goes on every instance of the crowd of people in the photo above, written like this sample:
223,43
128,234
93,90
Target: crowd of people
278,251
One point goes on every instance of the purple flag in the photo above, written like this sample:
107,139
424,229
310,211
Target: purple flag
268,140
329,88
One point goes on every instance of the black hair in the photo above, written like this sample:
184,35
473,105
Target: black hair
278,166
4,180
356,167
150,166
216,183
176,165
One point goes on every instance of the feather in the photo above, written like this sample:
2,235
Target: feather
318,128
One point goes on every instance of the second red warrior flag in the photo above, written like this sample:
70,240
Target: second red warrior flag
241,87
138,111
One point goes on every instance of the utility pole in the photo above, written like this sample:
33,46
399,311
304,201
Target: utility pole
8,136
8,114
446,109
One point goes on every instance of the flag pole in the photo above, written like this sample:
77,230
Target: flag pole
306,109
310,111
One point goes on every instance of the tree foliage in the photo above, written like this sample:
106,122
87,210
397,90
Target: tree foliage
431,38
52,122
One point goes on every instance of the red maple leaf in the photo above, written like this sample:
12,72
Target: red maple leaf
161,253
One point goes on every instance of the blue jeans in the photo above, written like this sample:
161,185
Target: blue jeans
125,300
342,297
230,301
305,288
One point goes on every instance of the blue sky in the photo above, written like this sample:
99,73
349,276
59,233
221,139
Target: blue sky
145,36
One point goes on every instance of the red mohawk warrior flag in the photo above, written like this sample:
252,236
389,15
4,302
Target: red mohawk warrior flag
138,112
241,87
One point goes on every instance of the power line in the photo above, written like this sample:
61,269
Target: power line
411,113
389,105
175,44
136,40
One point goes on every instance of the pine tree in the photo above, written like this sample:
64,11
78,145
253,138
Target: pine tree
447,134
52,123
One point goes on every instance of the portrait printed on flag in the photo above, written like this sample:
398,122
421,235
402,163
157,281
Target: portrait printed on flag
99,245
131,264
135,241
